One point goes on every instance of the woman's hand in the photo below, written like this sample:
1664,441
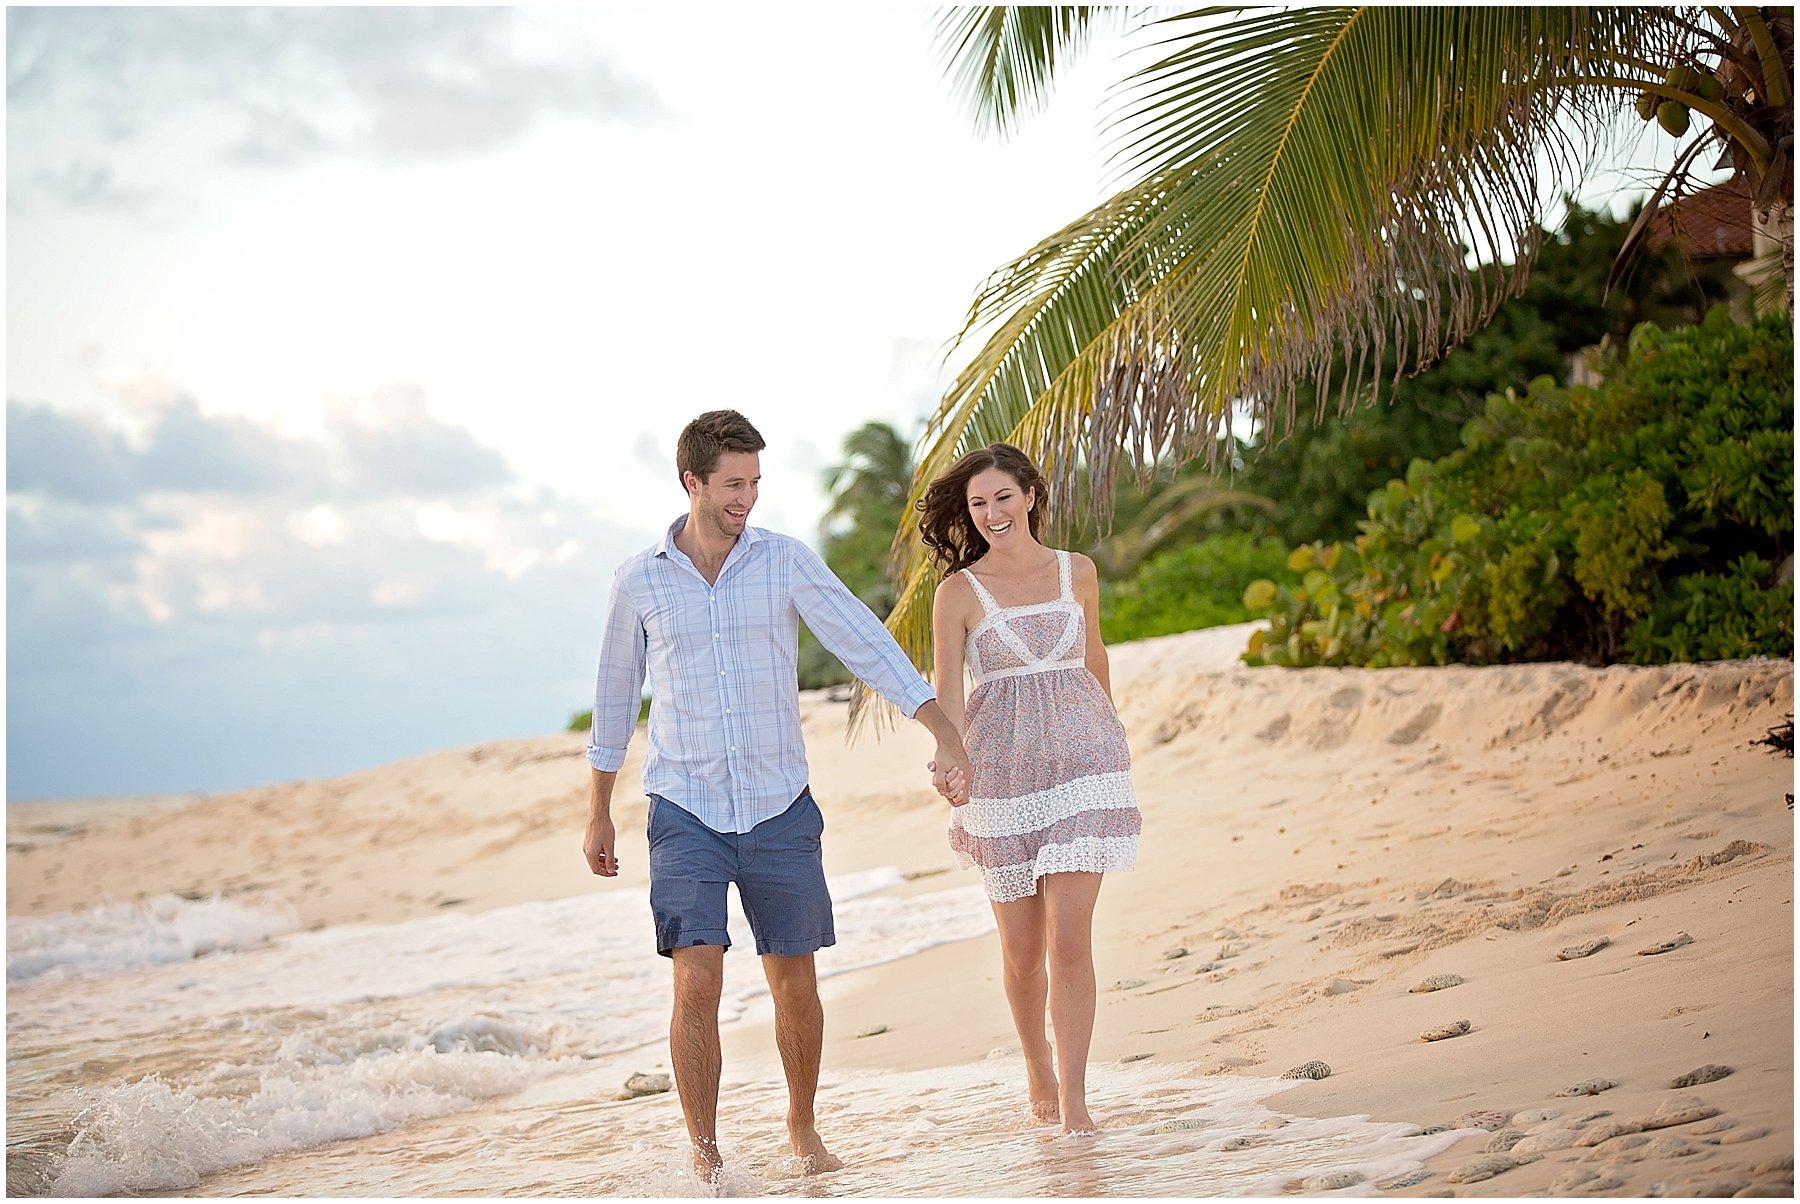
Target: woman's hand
950,782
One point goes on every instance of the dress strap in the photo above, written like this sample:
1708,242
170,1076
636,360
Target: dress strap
988,605
1062,568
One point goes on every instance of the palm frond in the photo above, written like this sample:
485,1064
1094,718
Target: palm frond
1001,60
1060,297
1312,188
877,470
1119,554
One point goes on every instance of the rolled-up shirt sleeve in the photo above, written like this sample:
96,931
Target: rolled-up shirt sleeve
852,633
619,681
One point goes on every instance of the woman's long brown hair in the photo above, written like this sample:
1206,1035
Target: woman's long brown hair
944,522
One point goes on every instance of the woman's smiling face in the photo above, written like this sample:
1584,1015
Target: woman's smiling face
999,507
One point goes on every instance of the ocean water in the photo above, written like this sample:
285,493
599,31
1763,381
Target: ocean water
209,1048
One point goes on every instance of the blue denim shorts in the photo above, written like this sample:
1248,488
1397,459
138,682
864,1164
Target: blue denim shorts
777,867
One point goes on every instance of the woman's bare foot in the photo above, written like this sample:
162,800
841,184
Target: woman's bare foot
1040,1089
1077,1122
811,1154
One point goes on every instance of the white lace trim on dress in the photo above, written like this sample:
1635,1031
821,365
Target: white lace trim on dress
1087,855
1040,809
995,620
1027,670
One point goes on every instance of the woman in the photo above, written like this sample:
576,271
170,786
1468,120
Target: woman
1050,805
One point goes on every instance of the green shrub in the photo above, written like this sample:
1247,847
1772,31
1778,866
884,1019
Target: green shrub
1199,585
1708,617
1640,521
585,719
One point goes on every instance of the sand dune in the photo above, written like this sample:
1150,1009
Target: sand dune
1318,844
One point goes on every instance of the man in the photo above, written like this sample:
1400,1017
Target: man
710,614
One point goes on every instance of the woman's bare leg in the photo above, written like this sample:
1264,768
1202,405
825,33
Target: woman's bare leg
1022,948
1069,923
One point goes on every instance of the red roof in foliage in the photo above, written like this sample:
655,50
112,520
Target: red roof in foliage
1711,224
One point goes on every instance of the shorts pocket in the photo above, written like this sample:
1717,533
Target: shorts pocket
808,826
654,830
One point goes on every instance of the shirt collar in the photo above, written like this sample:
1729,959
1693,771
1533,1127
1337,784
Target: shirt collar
666,547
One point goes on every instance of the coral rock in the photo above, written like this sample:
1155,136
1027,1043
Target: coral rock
1437,982
646,1084
1703,1074
1606,1130
1483,1168
1308,1070
1589,1087
1480,1118
1585,949
1503,1141
1674,942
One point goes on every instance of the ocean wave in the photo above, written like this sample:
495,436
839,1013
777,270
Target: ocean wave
130,936
151,1135
317,1036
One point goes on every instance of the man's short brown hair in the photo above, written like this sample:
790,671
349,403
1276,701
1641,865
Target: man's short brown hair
710,436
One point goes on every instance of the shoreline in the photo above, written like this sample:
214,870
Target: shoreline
1317,843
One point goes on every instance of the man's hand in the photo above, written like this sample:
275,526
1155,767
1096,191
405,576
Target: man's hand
598,847
950,768
950,775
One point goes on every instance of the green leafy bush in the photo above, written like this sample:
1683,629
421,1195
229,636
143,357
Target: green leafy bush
1708,617
1642,521
1199,585
583,720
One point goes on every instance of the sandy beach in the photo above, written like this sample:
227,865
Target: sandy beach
1593,867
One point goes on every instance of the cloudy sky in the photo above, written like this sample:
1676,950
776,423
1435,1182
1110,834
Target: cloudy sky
346,348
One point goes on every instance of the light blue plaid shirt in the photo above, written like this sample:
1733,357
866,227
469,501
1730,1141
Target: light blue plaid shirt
722,660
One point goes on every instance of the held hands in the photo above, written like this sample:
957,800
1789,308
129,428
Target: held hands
950,778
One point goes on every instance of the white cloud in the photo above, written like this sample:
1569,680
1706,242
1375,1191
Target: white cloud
565,231
319,527
277,602
281,87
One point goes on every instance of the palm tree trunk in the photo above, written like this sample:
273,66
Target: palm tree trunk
1770,270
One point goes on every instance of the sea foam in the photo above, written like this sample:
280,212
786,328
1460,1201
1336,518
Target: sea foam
150,1135
229,1064
129,936
281,1040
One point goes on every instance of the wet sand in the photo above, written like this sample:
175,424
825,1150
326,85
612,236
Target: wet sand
1536,841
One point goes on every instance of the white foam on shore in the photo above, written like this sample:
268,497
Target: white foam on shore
956,1131
130,936
234,1061
148,1135
1166,1131
550,963
276,1044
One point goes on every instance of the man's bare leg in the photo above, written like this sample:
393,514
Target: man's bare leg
1022,945
800,1036
1069,913
694,1049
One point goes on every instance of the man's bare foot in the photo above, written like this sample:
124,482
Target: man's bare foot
810,1153
707,1162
